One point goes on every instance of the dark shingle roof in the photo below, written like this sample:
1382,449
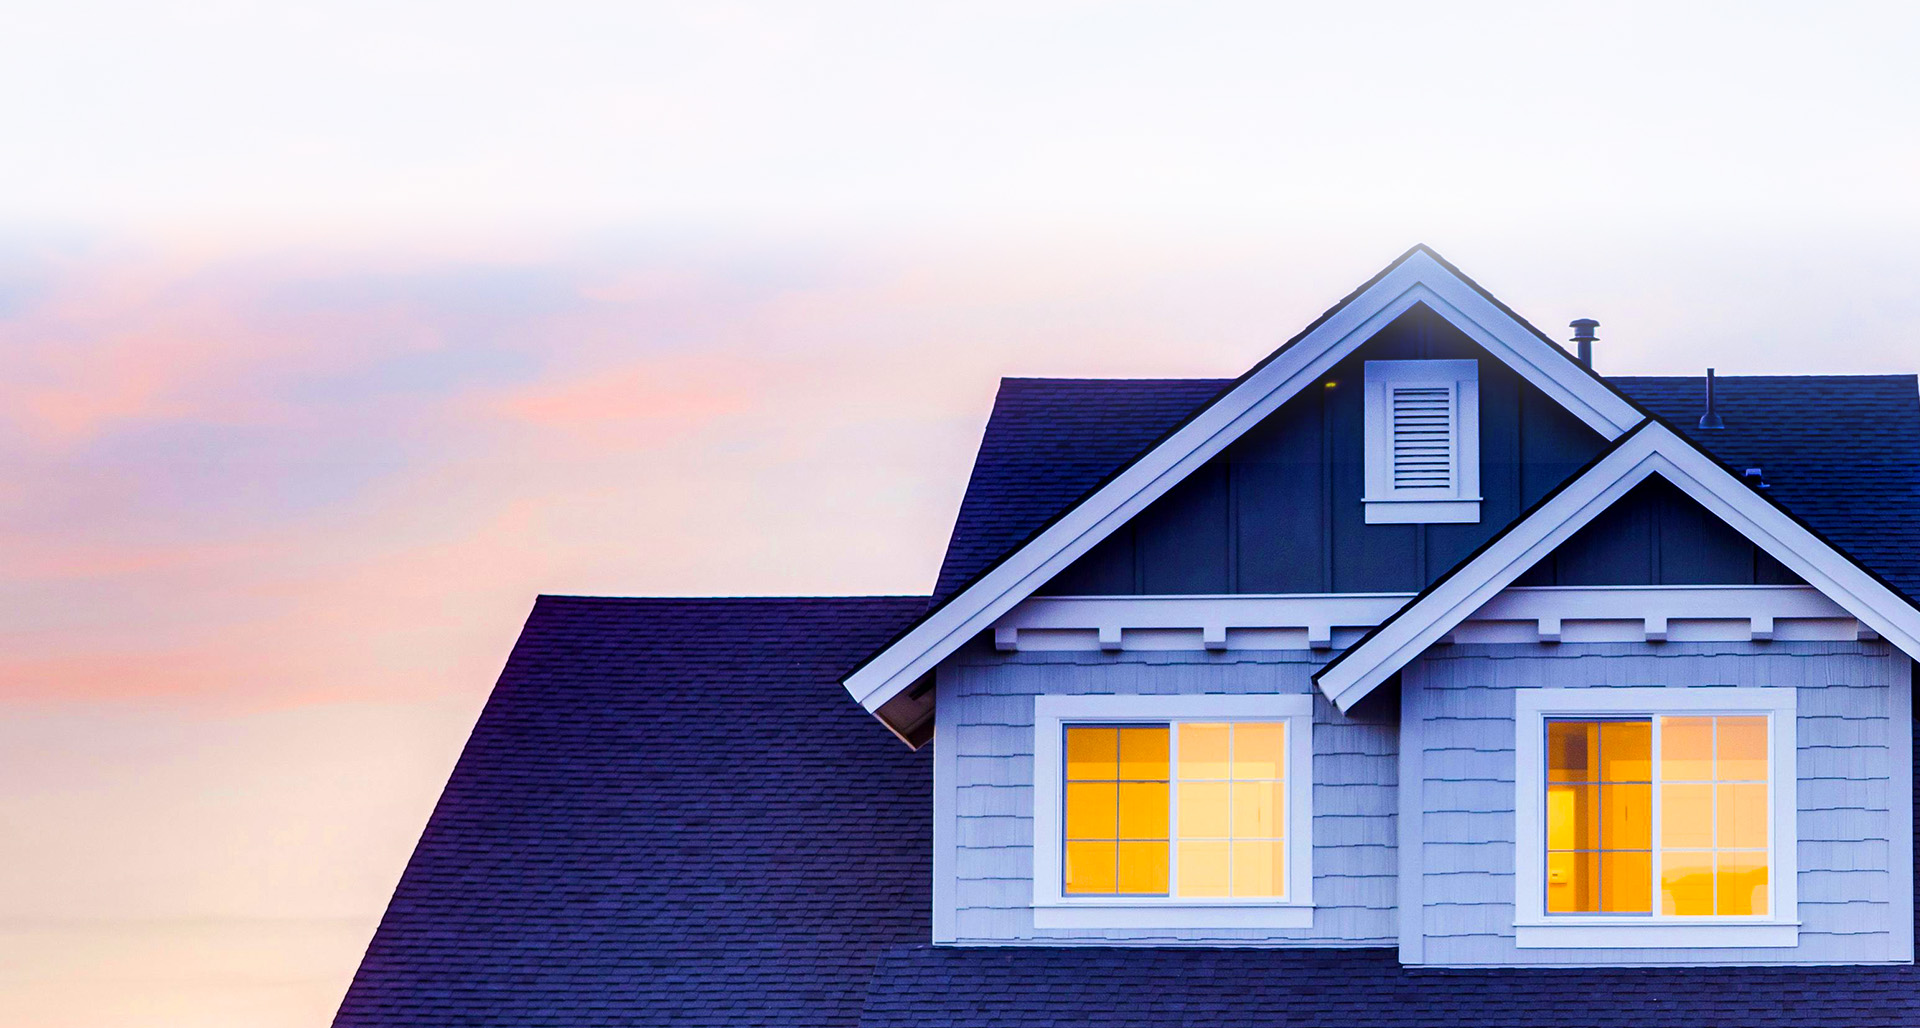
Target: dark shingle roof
669,813
1842,452
1123,987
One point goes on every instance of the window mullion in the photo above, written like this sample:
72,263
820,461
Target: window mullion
1656,831
1173,809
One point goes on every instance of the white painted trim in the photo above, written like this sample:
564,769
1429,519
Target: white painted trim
1411,827
1309,620
1459,502
946,799
1423,512
1143,915
1534,927
1657,936
1901,812
1419,278
1652,449
1053,909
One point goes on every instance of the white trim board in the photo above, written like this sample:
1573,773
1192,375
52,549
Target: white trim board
1652,449
1325,621
1419,277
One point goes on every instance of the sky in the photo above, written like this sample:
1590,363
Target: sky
330,335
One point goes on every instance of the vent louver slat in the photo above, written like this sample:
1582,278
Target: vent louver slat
1422,437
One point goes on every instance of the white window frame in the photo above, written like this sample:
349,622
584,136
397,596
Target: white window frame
1534,928
1052,714
1387,505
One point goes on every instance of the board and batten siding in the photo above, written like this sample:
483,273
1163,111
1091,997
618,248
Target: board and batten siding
983,787
1855,793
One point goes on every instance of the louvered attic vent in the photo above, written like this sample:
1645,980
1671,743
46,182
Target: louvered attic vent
1422,437
1423,441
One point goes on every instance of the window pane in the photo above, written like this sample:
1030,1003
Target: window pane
1259,750
1143,866
1203,869
1626,883
1686,816
1089,867
1573,882
1143,812
1741,749
1686,883
1625,751
1203,810
1091,753
1203,751
1143,754
1562,819
1686,749
1573,817
1742,817
1092,810
1259,810
1258,869
1628,821
1570,749
1742,883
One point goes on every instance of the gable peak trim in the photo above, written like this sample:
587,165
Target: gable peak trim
1418,277
1653,448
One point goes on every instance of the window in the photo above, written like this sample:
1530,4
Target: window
1422,441
1172,811
1655,817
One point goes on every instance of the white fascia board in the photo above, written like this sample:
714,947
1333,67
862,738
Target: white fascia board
1418,278
1652,449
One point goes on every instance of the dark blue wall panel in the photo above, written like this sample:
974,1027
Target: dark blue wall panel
1280,511
1657,535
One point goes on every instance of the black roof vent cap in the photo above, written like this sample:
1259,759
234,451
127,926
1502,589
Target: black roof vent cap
1711,419
1583,338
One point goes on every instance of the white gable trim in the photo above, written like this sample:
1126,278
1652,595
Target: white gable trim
1419,277
1652,449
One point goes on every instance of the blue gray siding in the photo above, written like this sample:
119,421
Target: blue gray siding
1854,738
983,744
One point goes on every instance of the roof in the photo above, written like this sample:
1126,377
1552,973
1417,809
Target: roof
667,813
1418,279
1654,448
1840,451
670,814
1120,987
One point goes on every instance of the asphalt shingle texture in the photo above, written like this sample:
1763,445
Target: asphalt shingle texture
668,813
1840,451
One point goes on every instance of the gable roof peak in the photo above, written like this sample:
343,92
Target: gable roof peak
1420,277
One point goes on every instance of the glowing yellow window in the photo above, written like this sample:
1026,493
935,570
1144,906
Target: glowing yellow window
1710,785
1124,784
1714,816
1599,817
1233,813
1116,810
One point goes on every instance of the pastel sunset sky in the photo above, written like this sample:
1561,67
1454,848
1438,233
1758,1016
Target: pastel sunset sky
330,335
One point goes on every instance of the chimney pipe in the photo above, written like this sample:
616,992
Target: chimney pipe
1711,419
1584,337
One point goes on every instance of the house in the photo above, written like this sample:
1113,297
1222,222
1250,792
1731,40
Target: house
1421,675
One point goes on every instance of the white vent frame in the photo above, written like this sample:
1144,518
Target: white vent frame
1457,501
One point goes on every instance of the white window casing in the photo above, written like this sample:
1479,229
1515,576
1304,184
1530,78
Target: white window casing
1534,928
1422,441
1053,713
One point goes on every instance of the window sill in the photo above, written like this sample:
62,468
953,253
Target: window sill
1615,933
1422,512
1171,914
